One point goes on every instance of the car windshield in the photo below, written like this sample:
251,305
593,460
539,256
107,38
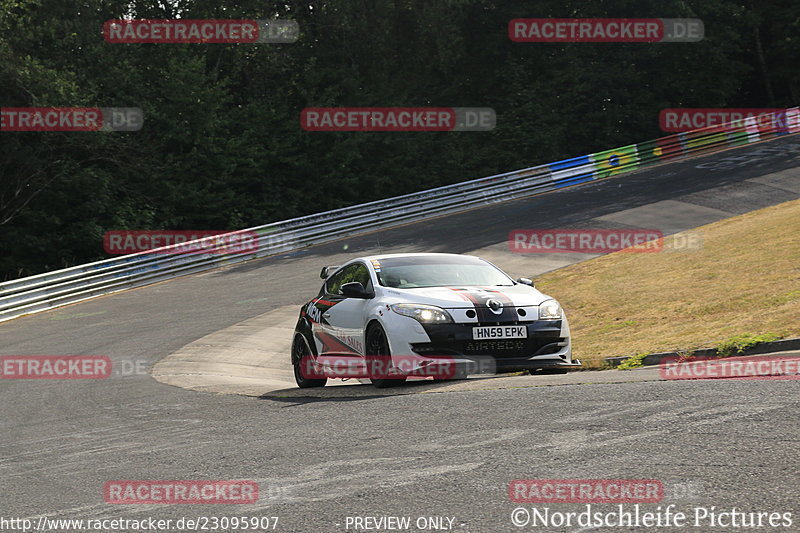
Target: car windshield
415,272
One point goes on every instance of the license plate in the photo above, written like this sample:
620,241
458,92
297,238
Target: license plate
499,332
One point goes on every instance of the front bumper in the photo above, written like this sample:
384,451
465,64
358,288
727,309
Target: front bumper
546,346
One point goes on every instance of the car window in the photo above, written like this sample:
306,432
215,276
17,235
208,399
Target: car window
415,272
333,282
355,272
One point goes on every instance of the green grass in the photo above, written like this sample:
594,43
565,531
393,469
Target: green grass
739,288
636,361
740,343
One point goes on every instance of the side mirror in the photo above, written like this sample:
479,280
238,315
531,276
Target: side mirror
525,281
326,271
354,289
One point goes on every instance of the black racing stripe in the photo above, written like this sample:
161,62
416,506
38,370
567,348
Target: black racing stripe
479,299
509,313
322,305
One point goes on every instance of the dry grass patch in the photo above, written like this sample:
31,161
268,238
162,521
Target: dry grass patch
744,280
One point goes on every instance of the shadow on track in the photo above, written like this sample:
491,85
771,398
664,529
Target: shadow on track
357,391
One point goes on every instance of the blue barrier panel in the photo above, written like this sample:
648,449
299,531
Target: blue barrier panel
571,171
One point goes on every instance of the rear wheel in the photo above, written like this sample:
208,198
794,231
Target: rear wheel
379,359
304,374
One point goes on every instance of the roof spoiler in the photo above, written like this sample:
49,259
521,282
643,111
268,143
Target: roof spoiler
327,271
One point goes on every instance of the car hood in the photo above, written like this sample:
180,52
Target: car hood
469,297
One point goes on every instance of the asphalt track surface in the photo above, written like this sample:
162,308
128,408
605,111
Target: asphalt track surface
320,458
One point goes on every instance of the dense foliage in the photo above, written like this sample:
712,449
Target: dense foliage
222,147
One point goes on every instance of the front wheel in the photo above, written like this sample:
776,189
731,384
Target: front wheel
304,374
379,359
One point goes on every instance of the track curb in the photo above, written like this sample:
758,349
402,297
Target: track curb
762,348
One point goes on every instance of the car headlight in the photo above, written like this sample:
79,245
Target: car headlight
425,314
549,310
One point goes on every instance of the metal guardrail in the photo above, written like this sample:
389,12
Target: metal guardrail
62,287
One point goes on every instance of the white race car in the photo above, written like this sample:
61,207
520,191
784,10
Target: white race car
388,317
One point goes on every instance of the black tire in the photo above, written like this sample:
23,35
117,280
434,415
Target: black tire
546,371
379,359
299,352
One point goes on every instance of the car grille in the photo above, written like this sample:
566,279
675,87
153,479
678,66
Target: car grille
544,337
